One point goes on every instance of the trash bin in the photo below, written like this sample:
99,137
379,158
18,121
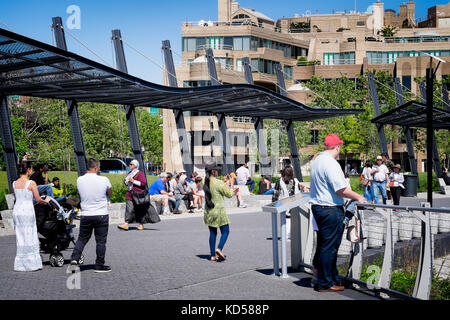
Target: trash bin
411,183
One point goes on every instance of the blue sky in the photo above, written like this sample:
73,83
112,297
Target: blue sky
144,24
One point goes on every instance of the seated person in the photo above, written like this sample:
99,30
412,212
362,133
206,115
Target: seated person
158,194
198,194
182,192
58,192
43,186
243,177
265,186
229,182
168,187
446,177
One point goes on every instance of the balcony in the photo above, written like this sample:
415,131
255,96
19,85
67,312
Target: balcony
417,39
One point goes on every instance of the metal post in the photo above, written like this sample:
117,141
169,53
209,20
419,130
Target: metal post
290,129
406,131
445,96
262,147
9,147
388,259
130,112
183,135
376,107
283,245
247,70
276,269
226,145
228,166
432,152
72,106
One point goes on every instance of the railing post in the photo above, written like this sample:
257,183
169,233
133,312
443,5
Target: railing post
388,259
9,147
262,147
424,276
72,106
130,112
183,136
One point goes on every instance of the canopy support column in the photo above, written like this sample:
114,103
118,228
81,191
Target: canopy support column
130,111
72,106
290,129
376,107
183,135
406,130
228,163
433,151
9,147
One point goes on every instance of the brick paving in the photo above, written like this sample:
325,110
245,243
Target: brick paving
168,261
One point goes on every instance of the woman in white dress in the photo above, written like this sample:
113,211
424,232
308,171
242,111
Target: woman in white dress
27,257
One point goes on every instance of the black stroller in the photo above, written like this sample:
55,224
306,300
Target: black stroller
55,223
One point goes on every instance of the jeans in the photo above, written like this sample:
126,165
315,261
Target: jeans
382,186
250,184
61,199
368,192
46,188
330,223
396,193
225,231
98,224
270,191
187,196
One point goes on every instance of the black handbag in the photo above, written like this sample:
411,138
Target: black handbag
140,198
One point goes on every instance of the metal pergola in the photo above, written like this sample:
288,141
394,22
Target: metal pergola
413,114
32,68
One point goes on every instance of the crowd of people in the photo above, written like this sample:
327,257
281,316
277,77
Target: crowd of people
329,189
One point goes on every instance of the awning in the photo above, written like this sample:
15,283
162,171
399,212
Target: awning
414,114
32,68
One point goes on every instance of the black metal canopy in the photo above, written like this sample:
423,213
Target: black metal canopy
414,114
32,68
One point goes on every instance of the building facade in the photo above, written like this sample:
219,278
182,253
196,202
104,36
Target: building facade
325,45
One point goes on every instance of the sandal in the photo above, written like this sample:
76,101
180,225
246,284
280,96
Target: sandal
221,255
213,258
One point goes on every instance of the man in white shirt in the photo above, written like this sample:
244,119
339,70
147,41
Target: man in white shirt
94,192
243,177
328,190
380,176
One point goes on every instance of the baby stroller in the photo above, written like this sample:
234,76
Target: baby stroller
55,223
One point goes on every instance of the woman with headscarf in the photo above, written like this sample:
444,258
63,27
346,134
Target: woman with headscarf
215,215
136,182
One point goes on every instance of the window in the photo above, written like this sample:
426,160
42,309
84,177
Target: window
288,72
406,81
241,16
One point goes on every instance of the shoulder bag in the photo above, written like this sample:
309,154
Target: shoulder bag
140,198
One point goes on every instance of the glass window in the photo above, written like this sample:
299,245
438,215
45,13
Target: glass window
246,43
406,81
237,43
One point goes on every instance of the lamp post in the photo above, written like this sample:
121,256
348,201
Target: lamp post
429,83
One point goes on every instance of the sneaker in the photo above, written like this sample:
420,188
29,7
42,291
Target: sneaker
243,205
102,268
140,227
123,227
74,263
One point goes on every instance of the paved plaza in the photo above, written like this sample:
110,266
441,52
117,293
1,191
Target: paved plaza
169,260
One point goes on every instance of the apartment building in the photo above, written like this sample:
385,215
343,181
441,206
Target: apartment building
325,45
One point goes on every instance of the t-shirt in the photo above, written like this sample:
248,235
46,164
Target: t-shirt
156,187
326,178
380,176
242,175
38,178
92,189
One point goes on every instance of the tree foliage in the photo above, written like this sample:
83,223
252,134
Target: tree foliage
41,127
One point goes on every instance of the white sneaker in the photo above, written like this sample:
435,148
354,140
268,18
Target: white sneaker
197,210
243,205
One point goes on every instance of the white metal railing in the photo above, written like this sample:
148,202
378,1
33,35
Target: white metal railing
238,23
420,222
215,47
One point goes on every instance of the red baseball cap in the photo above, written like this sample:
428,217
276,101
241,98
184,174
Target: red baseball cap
332,140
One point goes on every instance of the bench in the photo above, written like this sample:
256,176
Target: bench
445,189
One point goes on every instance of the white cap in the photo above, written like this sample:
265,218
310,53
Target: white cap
163,175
